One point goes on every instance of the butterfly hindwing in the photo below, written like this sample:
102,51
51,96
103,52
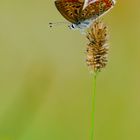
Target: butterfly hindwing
69,9
96,9
88,12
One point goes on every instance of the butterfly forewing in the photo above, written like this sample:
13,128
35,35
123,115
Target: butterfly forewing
70,9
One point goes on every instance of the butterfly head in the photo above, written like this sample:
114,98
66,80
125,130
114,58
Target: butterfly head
72,26
82,25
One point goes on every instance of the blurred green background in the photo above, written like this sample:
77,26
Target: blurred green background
45,86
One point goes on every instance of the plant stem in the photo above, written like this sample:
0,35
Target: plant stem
93,105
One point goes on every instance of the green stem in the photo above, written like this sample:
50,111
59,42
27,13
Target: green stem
93,105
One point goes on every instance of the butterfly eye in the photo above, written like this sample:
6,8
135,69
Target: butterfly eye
72,26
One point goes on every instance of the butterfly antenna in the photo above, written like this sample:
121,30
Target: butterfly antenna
57,23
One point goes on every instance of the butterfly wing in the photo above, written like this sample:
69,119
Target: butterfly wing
70,9
96,8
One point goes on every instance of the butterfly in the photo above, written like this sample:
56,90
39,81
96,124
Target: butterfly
82,13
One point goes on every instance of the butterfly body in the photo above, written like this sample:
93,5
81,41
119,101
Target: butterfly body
81,25
82,13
